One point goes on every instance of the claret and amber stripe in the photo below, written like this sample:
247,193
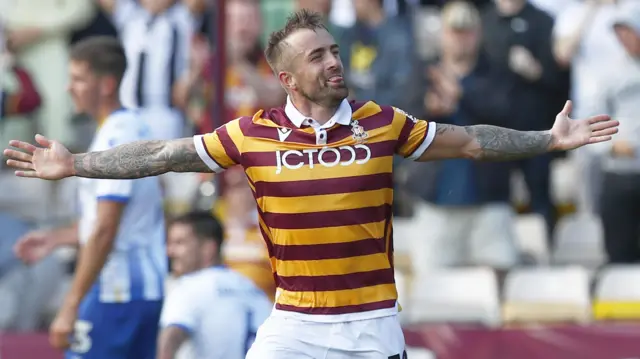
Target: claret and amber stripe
324,209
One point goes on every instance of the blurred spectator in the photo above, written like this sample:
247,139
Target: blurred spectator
38,33
323,7
249,84
620,97
377,55
100,25
244,249
156,36
584,40
471,220
552,7
517,40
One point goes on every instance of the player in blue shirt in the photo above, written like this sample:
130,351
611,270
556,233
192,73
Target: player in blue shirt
113,307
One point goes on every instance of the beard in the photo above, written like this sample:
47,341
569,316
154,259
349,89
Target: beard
326,95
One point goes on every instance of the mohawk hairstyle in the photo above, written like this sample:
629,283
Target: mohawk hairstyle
301,19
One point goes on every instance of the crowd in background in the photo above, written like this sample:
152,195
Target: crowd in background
510,63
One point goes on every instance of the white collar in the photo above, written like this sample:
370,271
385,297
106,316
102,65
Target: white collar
342,115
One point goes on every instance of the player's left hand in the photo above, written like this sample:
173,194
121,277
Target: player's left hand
568,134
61,330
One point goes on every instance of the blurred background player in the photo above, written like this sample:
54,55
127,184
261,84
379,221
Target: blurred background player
216,307
113,306
156,35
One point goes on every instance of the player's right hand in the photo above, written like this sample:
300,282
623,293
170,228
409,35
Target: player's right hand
34,246
52,161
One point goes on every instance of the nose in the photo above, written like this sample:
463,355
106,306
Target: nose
333,63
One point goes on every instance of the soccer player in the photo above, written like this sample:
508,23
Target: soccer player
216,307
321,172
113,307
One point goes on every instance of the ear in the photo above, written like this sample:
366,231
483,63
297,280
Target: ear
287,80
209,249
108,86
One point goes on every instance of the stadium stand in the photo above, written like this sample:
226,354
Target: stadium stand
579,240
617,293
457,295
544,295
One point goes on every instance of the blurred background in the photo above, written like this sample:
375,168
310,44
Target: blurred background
529,259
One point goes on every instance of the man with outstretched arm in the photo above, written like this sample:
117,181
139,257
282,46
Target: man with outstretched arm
333,261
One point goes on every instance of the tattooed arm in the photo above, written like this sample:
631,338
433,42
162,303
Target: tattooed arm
140,159
487,143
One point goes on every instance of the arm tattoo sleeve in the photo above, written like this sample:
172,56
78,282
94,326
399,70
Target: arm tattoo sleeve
498,143
140,159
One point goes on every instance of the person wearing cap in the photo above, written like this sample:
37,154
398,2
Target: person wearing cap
620,96
467,218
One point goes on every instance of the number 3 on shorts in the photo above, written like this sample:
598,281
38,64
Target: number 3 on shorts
397,356
81,339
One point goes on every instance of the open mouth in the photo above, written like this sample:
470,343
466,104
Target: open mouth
336,79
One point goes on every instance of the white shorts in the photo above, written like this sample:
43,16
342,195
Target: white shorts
288,338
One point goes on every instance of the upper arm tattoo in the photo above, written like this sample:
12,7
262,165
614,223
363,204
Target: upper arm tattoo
498,143
140,159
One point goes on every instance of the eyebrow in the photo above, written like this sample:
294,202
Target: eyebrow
320,49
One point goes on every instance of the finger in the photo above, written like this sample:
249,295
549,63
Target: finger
566,110
43,141
601,118
605,132
604,124
20,164
23,146
17,155
599,139
27,174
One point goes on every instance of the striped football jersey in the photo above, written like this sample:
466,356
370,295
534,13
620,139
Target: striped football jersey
324,196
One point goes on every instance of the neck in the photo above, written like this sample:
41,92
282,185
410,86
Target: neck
211,263
374,18
319,112
105,109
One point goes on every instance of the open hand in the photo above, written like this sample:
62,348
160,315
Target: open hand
52,161
34,246
568,134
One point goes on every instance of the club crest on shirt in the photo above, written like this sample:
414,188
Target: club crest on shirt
359,134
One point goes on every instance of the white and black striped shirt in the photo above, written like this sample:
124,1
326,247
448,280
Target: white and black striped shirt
157,49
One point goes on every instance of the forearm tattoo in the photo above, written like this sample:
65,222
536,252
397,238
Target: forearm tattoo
140,159
499,143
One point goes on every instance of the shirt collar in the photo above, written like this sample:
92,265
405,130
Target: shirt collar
342,116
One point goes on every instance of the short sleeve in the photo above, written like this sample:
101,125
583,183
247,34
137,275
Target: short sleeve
414,136
178,309
220,149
